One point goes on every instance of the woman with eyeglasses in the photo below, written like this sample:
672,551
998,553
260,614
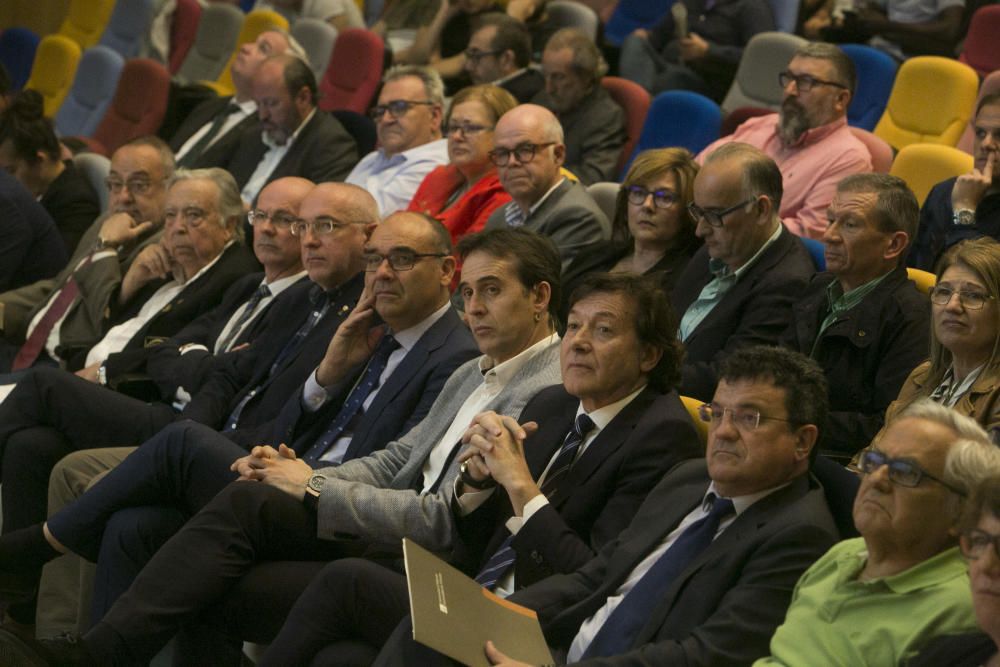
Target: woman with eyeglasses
652,231
463,193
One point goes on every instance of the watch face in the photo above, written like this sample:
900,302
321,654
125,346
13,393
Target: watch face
965,217
316,482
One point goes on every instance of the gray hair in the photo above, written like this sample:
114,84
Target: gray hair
896,209
433,85
761,175
229,202
843,66
587,58
160,146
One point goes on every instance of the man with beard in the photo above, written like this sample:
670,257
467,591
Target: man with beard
809,138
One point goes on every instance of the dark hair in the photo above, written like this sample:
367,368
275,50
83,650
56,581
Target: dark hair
984,500
24,124
535,258
511,35
647,166
842,63
297,75
655,322
161,147
896,209
800,377
988,100
761,175
441,237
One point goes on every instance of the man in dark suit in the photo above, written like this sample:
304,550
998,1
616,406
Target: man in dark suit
30,248
294,138
529,153
705,571
515,531
499,52
739,288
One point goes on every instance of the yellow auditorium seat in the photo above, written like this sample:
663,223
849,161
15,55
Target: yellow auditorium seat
923,166
924,280
85,21
53,70
692,405
255,23
931,101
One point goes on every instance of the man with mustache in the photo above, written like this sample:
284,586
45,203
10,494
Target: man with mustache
809,137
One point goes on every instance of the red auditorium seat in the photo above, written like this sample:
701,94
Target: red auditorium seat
138,106
182,32
354,72
980,50
737,117
881,152
634,100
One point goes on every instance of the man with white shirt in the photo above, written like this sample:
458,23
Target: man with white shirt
293,137
408,123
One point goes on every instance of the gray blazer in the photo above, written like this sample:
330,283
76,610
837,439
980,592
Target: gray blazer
569,216
371,497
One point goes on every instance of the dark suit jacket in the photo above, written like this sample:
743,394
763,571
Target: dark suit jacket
72,203
724,607
323,151
754,311
525,85
598,498
30,245
221,151
595,135
400,403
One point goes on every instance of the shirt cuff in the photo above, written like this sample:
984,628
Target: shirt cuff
470,500
313,394
515,522
190,347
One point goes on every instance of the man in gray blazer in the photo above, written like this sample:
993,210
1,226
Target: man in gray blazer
529,153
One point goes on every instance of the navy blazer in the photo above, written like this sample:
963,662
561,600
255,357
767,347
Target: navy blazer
30,245
400,403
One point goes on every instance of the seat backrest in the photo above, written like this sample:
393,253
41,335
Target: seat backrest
128,28
880,151
354,73
923,166
570,14
816,252
85,21
990,85
979,50
692,405
138,106
255,23
738,116
631,14
909,119
924,280
213,43
680,118
95,168
17,53
876,72
360,127
183,29
786,14
634,101
317,38
756,84
52,74
840,486
93,87
605,193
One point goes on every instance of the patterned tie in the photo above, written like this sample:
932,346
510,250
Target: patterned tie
352,406
623,625
513,215
191,157
262,293
504,557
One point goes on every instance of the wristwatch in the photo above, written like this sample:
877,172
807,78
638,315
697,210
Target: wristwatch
104,245
102,375
964,217
313,488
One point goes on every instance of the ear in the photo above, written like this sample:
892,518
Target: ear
303,98
805,439
543,294
765,208
897,245
843,100
448,266
506,60
369,228
650,356
559,153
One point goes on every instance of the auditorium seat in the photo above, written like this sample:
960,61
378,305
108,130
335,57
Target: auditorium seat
17,54
354,73
183,30
213,44
138,106
361,128
256,22
923,166
680,118
317,37
53,70
924,280
605,193
128,28
95,168
85,21
737,117
571,14
634,101
93,87
756,84
631,14
979,50
880,151
692,405
876,72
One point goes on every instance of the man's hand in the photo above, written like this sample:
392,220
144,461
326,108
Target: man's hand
499,440
89,373
284,471
247,465
121,229
352,344
496,657
693,47
152,263
970,188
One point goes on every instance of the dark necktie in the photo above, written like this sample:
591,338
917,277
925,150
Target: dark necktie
620,630
504,557
352,406
262,293
191,157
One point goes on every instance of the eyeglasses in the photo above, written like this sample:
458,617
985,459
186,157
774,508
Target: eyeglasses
396,108
970,300
744,419
467,129
661,198
975,543
524,153
137,186
804,83
475,55
715,217
320,226
279,219
192,216
399,260
903,472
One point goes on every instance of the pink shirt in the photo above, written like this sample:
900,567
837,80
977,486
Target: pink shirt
810,169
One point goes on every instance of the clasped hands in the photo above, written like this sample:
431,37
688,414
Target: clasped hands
495,448
279,468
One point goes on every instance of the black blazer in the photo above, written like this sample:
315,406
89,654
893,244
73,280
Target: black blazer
72,203
755,311
724,607
399,404
221,151
601,494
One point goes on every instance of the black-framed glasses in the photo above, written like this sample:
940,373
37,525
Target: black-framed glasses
662,198
904,472
192,216
475,55
320,226
280,219
524,153
804,83
970,300
715,217
975,542
467,129
137,186
396,108
744,419
399,260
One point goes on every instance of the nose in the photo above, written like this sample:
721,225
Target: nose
384,270
474,304
725,428
990,142
954,303
832,233
879,478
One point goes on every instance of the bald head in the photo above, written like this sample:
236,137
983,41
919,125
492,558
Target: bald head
335,221
528,141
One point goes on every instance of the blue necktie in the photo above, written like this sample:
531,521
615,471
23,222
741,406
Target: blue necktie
262,293
503,558
620,630
513,215
352,405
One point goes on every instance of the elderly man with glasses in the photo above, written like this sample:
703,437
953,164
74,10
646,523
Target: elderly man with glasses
408,124
809,137
876,599
739,288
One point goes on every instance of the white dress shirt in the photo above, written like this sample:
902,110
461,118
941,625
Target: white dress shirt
232,120
270,160
393,179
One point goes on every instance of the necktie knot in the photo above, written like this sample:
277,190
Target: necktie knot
721,508
583,425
